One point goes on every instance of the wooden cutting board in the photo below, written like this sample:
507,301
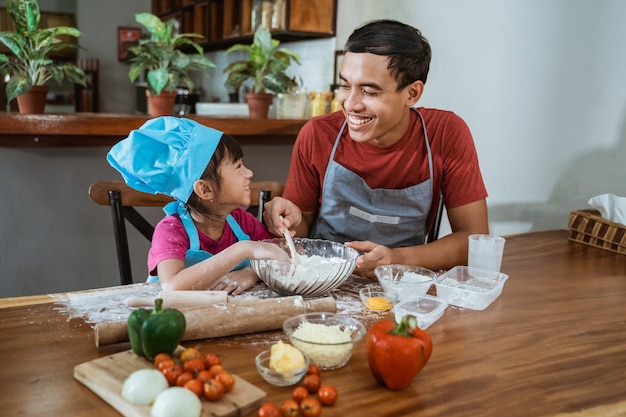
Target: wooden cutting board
105,377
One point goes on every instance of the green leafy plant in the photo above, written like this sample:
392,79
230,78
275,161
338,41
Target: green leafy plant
160,56
30,63
266,65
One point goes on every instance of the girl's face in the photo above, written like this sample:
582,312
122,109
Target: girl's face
234,184
376,111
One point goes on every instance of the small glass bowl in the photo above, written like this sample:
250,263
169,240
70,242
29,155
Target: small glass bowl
405,280
326,355
377,300
277,378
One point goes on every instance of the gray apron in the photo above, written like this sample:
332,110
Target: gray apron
194,254
351,210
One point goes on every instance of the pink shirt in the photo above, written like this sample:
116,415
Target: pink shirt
170,240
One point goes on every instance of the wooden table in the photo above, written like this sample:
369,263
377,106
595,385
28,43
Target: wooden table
554,343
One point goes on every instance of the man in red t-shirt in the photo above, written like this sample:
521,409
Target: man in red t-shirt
372,175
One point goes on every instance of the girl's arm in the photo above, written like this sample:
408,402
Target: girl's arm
205,275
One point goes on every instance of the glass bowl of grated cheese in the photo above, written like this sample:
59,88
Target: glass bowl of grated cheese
328,339
324,265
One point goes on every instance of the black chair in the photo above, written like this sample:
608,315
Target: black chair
433,234
123,199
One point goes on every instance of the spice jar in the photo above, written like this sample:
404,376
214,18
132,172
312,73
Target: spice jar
317,107
335,105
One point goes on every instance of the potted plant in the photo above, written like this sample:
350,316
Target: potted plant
266,66
165,64
30,65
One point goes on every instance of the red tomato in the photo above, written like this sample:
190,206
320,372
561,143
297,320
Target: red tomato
328,395
269,410
160,357
211,359
213,390
183,378
204,376
193,365
172,373
196,386
165,363
227,379
313,370
215,369
312,383
299,394
311,407
290,408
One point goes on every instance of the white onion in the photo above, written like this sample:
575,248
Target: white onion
176,402
143,386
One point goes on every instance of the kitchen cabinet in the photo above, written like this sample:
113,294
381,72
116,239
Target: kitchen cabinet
226,22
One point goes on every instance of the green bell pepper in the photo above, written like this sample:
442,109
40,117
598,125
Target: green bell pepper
155,331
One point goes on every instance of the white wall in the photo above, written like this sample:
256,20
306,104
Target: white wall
540,84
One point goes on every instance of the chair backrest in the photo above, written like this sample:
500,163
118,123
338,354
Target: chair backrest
433,234
123,199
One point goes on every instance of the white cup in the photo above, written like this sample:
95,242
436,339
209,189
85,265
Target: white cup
485,252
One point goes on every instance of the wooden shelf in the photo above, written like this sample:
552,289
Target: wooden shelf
102,129
224,23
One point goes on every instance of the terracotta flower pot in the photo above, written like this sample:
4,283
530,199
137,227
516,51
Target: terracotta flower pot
259,104
34,101
161,104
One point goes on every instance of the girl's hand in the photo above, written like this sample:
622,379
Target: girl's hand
266,250
236,282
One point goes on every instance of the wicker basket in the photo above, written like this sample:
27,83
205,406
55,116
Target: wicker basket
588,227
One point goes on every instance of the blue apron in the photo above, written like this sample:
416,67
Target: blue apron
351,210
194,254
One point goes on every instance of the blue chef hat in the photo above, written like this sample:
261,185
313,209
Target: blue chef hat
166,156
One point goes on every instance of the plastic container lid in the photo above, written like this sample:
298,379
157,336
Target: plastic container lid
427,308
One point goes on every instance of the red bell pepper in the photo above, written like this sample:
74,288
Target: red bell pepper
397,353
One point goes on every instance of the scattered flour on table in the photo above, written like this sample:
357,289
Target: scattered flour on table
104,305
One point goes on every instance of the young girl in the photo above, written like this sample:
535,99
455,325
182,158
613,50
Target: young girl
207,237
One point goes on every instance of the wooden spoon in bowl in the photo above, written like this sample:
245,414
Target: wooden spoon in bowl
295,257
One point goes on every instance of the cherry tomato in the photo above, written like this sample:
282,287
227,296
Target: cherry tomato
211,359
190,353
183,378
327,395
196,386
204,376
172,373
269,409
227,379
216,369
290,408
160,357
194,365
166,363
299,393
213,390
313,370
311,407
312,383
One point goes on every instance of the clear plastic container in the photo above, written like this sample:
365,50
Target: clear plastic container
426,308
471,288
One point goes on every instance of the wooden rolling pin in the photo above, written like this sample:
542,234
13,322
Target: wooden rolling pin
239,315
181,299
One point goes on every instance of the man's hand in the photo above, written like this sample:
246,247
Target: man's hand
277,207
373,256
